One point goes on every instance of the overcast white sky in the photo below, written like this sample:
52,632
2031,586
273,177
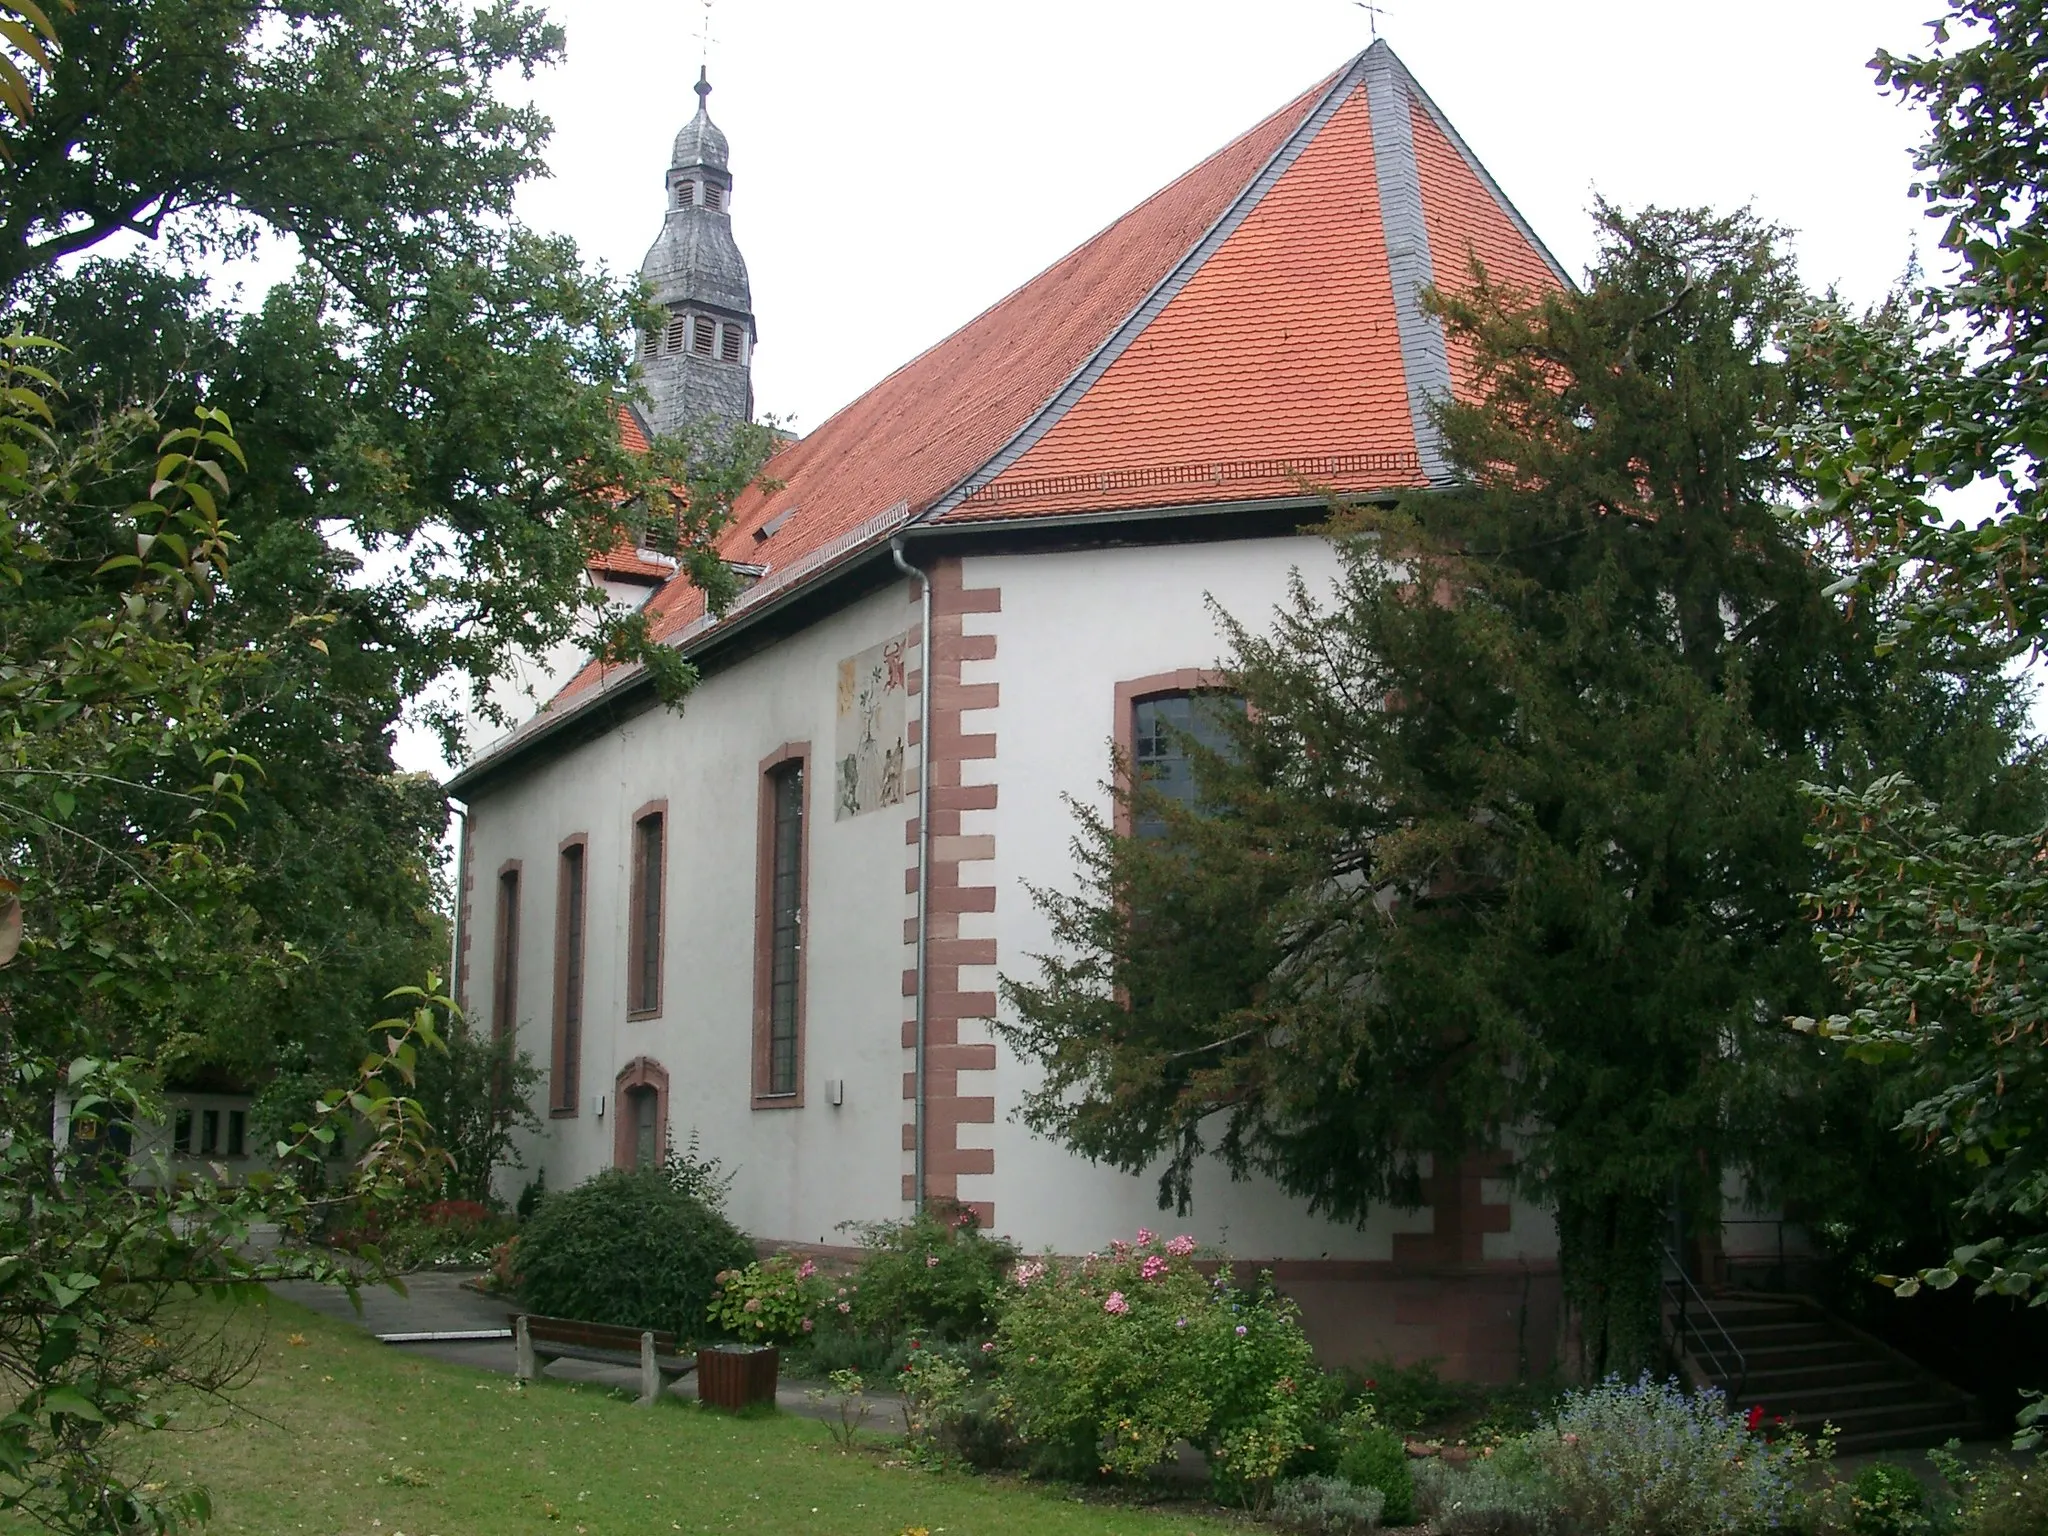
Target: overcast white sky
901,164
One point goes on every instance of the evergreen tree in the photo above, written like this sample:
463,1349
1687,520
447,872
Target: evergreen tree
1508,847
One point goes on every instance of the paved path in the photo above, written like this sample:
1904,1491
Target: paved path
438,1302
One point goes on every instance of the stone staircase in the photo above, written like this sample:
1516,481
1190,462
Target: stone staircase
1787,1356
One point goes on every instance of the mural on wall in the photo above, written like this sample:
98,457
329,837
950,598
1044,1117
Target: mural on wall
872,728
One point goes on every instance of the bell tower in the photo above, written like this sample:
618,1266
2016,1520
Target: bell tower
700,363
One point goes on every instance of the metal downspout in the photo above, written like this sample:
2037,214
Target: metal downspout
924,845
455,928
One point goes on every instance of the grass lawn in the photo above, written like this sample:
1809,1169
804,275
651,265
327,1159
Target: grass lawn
351,1436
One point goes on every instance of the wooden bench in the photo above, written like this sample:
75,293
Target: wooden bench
559,1338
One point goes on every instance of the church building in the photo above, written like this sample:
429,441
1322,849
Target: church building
775,918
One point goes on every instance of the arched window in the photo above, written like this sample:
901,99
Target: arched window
640,1099
1160,722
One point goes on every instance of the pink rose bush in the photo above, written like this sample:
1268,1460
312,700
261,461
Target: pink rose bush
1105,1364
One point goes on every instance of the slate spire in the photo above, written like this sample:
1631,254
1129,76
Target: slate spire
699,363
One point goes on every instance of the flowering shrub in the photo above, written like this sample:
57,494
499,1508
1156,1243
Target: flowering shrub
938,1275
774,1301
1649,1459
1107,1363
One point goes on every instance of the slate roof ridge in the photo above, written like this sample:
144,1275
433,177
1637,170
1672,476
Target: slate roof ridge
1334,93
1473,163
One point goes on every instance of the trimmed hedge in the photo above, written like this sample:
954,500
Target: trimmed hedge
629,1248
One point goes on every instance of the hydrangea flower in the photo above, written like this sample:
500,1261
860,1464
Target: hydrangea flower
1116,1304
1180,1247
1153,1267
1146,1237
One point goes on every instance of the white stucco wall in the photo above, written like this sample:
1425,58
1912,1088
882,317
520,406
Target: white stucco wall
800,1171
1071,627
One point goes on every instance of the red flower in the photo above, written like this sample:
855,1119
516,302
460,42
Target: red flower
1756,1416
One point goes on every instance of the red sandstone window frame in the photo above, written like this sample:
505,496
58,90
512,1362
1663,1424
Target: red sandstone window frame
1132,693
799,753
505,951
639,1004
643,1072
572,978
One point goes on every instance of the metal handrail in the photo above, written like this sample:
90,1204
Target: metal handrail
1683,1287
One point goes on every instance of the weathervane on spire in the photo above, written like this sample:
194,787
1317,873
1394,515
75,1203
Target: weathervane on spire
704,41
1373,14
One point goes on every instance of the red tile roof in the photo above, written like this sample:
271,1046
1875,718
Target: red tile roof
1232,335
1280,351
1466,217
627,563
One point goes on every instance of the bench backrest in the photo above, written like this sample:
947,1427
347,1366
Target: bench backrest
563,1330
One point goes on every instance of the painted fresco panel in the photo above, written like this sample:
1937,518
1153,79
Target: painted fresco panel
873,721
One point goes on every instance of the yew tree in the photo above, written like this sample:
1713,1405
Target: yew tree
1506,849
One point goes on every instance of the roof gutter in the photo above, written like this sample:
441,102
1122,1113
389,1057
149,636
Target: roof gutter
633,680
924,857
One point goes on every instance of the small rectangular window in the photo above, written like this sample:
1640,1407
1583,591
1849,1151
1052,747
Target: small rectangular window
505,962
643,947
714,195
568,1053
181,1131
703,336
781,930
209,1132
730,339
238,1131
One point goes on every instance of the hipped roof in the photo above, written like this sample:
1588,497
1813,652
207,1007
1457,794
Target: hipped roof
1254,325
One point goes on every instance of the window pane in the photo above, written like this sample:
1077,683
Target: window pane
507,964
238,1130
645,1153
209,1132
785,940
572,974
647,872
1160,732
